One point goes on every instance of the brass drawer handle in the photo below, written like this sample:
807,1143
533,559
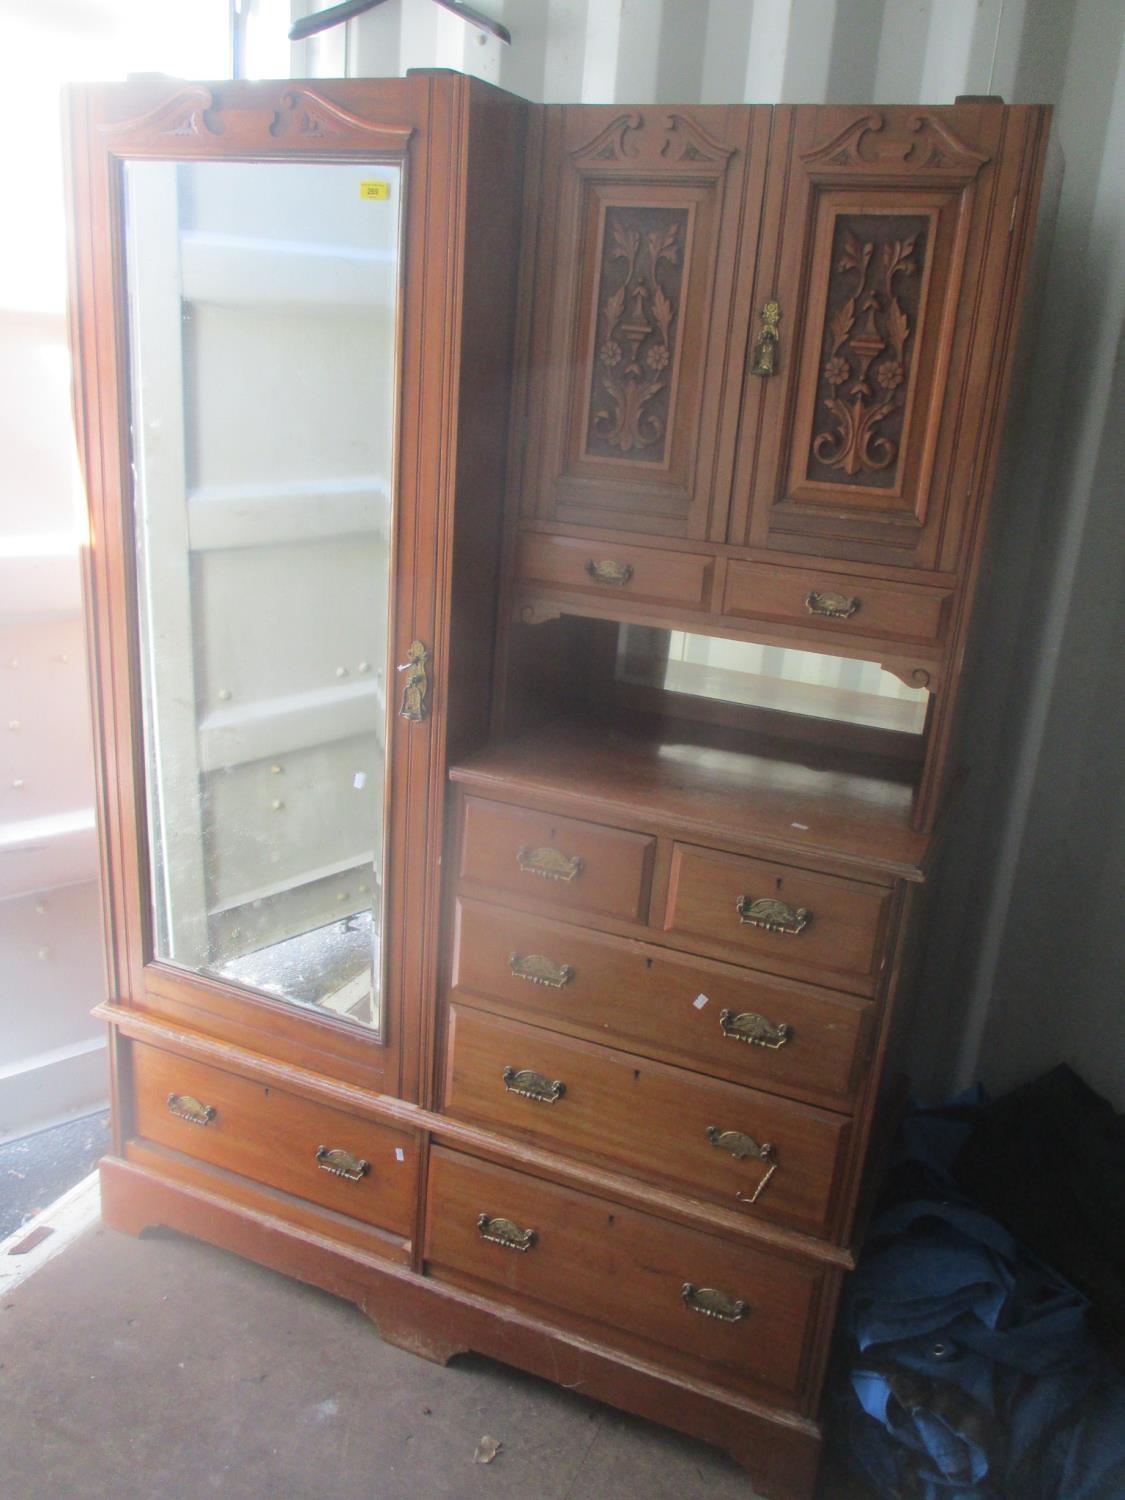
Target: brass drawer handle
533,1086
750,1027
765,349
504,1232
831,606
610,572
186,1107
537,969
771,915
713,1303
740,1147
738,1144
550,864
342,1163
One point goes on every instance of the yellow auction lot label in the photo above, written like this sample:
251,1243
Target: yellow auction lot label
374,190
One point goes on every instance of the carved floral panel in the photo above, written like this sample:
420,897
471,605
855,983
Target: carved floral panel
867,356
640,288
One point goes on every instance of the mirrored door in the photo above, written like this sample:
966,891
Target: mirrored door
263,306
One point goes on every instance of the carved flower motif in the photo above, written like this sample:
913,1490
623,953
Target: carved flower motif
610,354
837,370
890,374
657,357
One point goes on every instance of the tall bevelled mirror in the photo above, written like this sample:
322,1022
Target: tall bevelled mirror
263,310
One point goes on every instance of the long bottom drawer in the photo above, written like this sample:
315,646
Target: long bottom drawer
746,1317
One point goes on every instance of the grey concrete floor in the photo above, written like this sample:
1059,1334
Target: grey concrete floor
161,1367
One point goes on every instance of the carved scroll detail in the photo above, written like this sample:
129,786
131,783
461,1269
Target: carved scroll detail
638,297
872,308
187,113
613,143
308,114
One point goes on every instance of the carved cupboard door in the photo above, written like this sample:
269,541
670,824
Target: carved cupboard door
640,307
877,305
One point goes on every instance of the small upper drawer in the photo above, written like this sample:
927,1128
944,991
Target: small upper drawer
757,1153
625,1270
645,575
318,1153
561,861
781,916
735,1023
835,603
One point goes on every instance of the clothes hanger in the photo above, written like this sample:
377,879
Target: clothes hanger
321,20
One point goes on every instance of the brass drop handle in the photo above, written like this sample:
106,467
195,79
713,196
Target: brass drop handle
531,1085
739,1144
831,606
712,1303
415,705
748,1026
549,863
772,915
618,573
342,1163
506,1233
186,1107
742,1146
537,969
765,349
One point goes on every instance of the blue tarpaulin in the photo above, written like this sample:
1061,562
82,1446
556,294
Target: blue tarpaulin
972,1369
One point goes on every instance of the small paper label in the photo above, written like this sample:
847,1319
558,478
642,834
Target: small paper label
400,1154
700,1001
359,780
804,827
375,190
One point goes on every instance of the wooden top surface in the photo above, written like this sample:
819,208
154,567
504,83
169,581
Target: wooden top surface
671,782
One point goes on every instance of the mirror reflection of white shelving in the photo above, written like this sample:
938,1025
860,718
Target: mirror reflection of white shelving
263,302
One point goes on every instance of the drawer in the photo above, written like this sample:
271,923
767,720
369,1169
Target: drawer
559,861
737,1023
644,575
770,1157
624,1270
779,915
274,1138
835,603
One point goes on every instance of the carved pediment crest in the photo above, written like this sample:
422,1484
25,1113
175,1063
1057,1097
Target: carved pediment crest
632,137
922,140
299,113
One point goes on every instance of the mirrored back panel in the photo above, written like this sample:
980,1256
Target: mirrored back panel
786,680
263,310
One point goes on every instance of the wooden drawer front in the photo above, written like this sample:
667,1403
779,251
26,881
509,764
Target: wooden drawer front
273,1138
663,1003
621,573
834,603
580,866
842,922
646,1118
622,1269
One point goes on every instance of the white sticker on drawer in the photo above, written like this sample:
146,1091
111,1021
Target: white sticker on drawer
400,1154
700,1001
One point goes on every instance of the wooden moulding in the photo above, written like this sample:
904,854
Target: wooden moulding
780,1451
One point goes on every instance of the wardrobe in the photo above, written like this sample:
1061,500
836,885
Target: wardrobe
533,553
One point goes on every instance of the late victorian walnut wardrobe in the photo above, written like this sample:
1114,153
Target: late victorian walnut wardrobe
533,554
